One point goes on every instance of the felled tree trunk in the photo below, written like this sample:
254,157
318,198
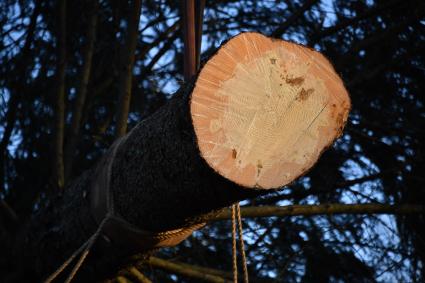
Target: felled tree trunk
257,117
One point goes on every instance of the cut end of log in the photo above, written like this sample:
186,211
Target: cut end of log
264,110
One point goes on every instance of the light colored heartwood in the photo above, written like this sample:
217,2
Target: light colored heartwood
263,110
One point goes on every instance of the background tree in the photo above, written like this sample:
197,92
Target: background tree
374,45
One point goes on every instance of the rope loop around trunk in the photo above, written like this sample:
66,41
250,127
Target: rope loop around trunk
113,226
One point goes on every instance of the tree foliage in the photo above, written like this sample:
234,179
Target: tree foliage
378,48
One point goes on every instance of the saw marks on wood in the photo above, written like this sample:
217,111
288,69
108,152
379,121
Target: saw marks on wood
264,110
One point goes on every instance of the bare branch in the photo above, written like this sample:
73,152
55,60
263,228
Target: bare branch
126,70
159,54
283,27
58,165
187,270
122,279
14,98
163,36
351,21
9,213
134,272
327,209
81,93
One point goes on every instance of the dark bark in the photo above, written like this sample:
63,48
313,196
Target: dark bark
159,182
179,188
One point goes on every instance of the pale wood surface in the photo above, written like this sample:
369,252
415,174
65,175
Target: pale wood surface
264,110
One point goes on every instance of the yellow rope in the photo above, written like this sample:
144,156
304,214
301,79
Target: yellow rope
65,264
234,256
236,216
241,243
84,250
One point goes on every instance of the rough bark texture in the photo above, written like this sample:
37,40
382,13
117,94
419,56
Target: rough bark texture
159,182
159,170
59,229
